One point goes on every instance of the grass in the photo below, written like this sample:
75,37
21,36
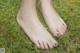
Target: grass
14,40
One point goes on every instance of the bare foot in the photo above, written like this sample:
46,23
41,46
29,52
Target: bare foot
53,20
29,22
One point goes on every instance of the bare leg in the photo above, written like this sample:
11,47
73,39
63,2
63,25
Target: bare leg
53,20
29,22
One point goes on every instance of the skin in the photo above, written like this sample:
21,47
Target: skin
28,20
53,20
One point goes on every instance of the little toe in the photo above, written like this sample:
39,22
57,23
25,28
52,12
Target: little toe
54,42
63,28
64,24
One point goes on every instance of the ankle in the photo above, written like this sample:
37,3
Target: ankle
28,2
46,3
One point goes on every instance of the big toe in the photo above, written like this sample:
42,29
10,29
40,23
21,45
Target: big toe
54,42
61,30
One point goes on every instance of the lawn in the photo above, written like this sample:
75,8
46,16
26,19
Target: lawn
14,40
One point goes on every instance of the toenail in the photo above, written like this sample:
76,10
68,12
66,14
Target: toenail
56,44
66,30
58,34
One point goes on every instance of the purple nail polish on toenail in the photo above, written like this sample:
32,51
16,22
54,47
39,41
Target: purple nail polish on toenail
56,44
58,34
66,30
